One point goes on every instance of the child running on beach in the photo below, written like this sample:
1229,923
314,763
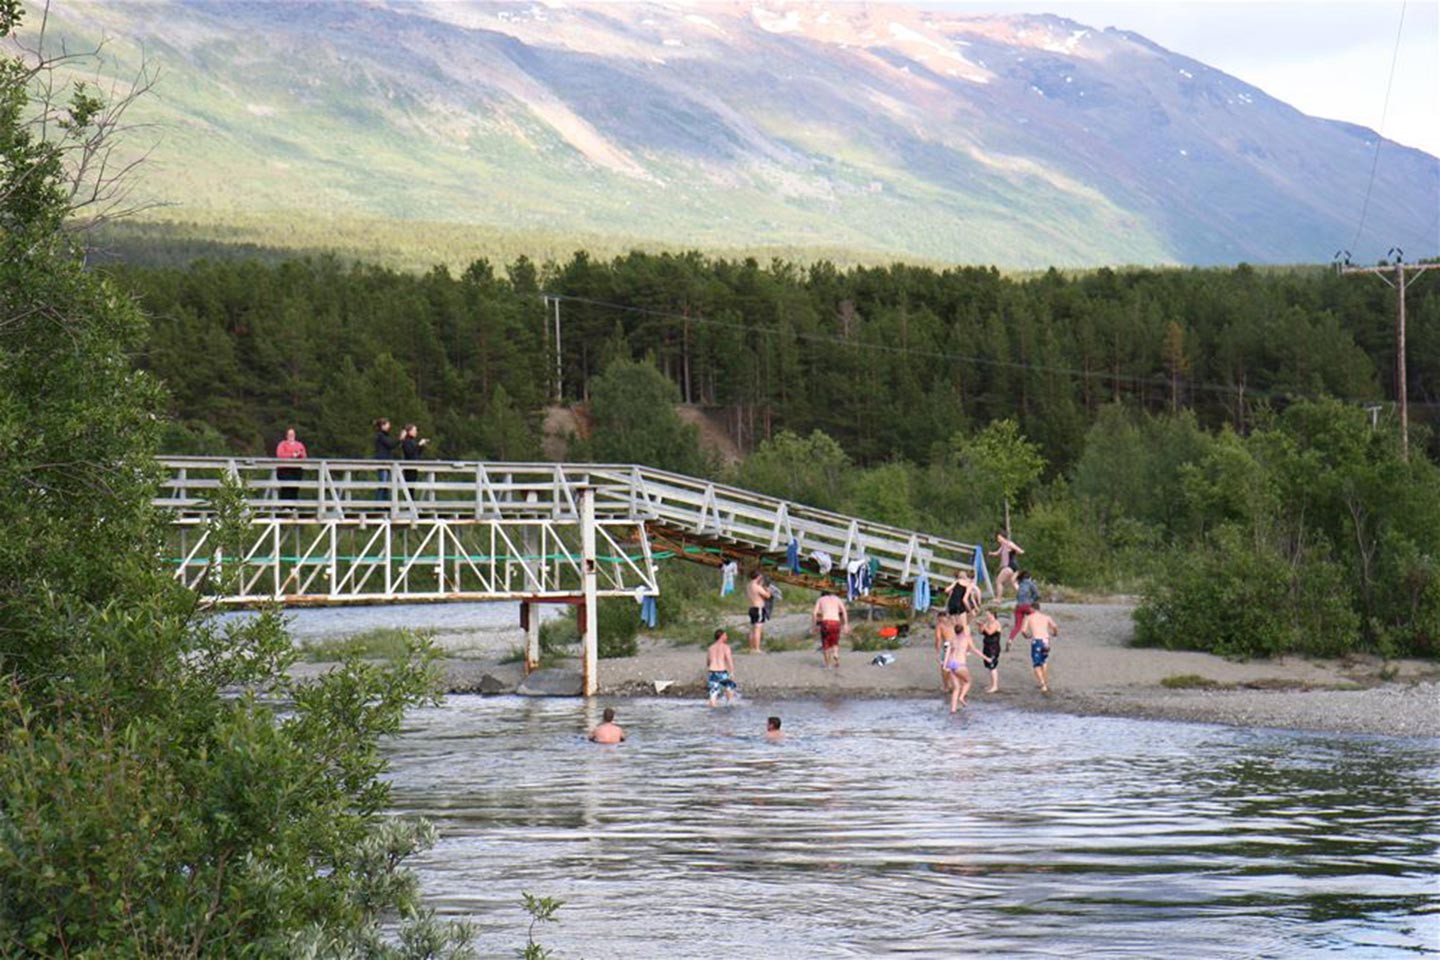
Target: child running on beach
944,637
1041,629
955,655
990,630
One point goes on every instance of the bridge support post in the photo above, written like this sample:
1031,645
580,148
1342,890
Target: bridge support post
592,606
530,615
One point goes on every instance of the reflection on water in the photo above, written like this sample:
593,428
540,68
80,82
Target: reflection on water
884,828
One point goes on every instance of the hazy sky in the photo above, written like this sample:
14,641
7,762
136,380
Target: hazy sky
1328,59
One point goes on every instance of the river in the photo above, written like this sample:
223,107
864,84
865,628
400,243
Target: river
882,828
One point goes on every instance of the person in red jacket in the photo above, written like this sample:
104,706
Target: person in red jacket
290,449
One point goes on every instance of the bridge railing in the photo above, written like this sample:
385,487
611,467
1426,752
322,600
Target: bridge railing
363,490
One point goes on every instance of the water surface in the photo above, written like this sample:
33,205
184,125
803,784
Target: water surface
889,828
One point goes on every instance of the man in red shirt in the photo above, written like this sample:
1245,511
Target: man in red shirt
290,449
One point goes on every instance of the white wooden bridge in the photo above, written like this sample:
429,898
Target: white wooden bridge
362,531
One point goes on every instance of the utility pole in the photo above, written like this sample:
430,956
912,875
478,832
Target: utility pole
554,303
1401,270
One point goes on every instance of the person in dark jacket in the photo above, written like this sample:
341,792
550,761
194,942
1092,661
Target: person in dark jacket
410,445
384,450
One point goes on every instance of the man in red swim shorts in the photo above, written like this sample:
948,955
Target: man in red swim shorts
831,619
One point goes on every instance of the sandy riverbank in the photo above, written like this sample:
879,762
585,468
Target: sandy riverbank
1094,670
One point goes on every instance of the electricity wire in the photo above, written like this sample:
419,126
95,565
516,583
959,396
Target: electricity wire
1157,380
1380,133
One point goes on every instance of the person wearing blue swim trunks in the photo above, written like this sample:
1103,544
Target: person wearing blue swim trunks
720,661
1041,630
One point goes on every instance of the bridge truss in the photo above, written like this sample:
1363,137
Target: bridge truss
358,531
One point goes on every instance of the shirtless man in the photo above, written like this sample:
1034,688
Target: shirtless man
756,593
955,666
1041,630
1007,550
720,661
772,730
831,619
944,637
608,731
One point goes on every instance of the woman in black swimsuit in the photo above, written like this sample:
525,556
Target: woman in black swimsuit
990,630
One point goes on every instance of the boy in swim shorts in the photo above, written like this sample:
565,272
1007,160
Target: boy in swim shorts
1041,630
720,661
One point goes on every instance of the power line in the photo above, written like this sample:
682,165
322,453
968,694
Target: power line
1380,133
1147,380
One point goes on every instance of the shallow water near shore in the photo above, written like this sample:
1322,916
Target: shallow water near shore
880,828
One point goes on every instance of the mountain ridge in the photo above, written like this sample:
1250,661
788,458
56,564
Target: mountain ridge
1025,140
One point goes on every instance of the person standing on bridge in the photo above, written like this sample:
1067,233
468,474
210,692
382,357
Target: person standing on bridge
831,619
756,593
411,444
384,450
289,449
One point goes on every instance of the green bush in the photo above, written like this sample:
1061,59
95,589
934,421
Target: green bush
1231,599
618,626
1061,544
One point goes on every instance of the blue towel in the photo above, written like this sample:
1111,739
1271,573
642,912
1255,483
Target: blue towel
792,555
921,600
648,614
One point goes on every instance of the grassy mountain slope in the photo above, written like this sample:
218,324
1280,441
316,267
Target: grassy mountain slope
874,130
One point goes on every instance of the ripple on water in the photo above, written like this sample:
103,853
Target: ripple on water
883,828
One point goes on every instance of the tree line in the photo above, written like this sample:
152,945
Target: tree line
888,361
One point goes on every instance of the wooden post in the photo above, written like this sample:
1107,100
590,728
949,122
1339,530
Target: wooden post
1400,384
592,608
530,613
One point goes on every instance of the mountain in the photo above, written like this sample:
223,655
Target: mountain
887,129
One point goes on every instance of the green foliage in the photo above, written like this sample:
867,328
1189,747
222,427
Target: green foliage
1230,599
381,643
886,494
1066,546
812,470
541,910
1296,525
1000,465
633,406
617,627
146,809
